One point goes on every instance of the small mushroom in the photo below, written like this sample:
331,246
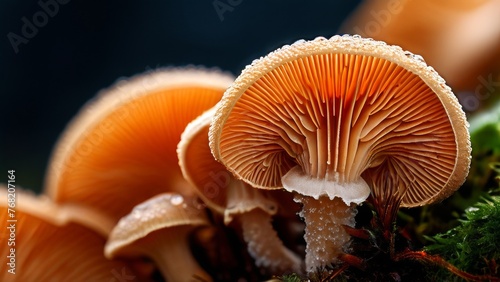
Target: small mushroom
47,242
234,199
459,38
320,116
121,148
159,229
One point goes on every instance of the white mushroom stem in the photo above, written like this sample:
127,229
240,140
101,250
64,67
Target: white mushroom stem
265,246
324,234
255,211
172,255
327,205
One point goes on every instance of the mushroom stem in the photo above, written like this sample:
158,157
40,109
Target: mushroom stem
172,255
265,246
255,210
324,233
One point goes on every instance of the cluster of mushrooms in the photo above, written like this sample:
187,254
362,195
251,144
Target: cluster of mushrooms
302,136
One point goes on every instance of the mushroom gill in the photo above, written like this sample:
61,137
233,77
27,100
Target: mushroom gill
317,116
237,201
56,242
120,149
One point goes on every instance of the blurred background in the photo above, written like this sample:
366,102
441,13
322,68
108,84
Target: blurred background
80,47
57,54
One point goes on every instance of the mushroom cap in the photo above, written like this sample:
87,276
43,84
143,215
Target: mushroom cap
54,243
60,214
339,108
121,148
235,199
459,38
214,184
200,169
161,213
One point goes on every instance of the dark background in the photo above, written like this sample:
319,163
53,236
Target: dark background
87,45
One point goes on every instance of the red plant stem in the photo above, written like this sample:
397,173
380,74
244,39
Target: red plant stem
336,272
358,233
359,263
437,260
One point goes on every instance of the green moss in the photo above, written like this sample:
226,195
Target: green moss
291,278
474,245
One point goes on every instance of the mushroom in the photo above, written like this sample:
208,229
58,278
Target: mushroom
48,242
460,38
234,199
159,229
320,116
121,148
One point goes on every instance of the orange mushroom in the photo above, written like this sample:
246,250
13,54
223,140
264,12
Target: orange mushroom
460,38
159,228
324,118
234,199
121,148
47,242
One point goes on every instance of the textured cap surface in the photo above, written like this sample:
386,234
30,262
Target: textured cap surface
339,108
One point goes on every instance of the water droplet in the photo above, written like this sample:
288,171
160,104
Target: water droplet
300,41
285,47
418,57
414,56
471,209
176,200
136,215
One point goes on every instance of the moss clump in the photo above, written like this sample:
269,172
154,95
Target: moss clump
291,278
474,245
